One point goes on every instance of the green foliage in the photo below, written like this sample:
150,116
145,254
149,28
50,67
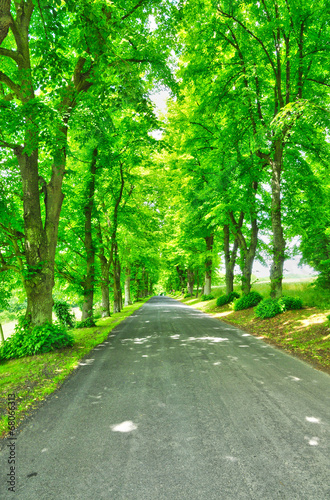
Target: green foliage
250,300
87,323
227,299
328,317
187,295
323,279
27,341
62,310
268,308
288,303
204,298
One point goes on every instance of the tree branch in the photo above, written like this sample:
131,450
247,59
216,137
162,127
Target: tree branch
133,9
12,85
229,16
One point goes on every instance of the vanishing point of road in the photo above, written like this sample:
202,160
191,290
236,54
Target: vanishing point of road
177,405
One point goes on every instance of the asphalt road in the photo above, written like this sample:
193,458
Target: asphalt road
178,405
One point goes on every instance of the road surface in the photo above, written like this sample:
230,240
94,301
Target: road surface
177,405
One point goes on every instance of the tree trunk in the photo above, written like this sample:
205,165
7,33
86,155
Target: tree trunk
190,281
230,259
247,264
247,254
117,293
105,300
128,300
208,265
276,271
146,285
40,242
88,284
181,278
105,275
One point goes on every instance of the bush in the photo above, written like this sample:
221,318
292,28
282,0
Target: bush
288,303
268,308
249,300
187,295
226,299
207,297
87,323
62,311
27,341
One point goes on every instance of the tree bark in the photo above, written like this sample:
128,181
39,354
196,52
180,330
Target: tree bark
5,19
230,259
247,254
117,293
105,298
88,283
276,271
128,300
208,264
181,278
190,281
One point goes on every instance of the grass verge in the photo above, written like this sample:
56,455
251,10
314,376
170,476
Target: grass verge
33,378
304,332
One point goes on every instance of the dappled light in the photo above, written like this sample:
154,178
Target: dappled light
313,420
293,378
222,314
127,426
314,441
314,319
86,362
214,340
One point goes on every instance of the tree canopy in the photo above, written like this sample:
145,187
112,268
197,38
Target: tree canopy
93,205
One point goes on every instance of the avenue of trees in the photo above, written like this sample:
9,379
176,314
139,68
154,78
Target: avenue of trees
93,206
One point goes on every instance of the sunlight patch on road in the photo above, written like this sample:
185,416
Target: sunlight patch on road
211,339
217,363
87,362
313,420
294,379
314,441
231,459
127,426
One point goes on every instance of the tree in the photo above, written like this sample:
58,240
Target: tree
258,62
52,56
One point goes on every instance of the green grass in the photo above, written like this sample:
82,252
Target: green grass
32,378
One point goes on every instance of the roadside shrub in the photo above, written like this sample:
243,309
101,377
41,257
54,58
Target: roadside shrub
288,303
328,317
187,295
268,308
250,300
62,311
27,341
207,297
226,299
87,323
